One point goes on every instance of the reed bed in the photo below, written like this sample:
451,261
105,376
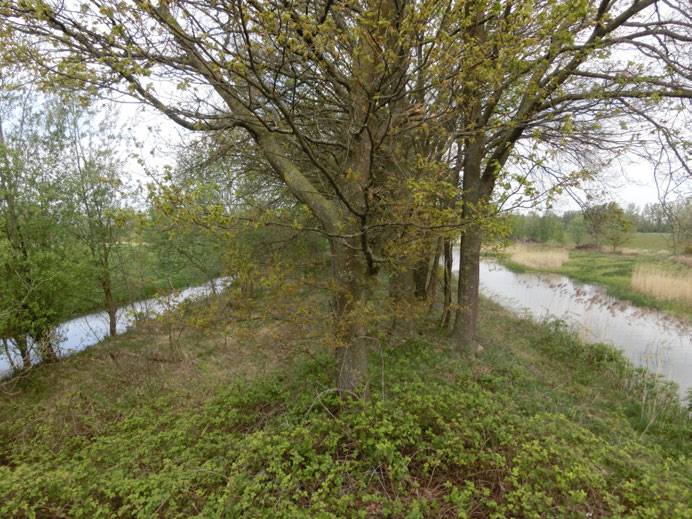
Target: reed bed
662,283
538,258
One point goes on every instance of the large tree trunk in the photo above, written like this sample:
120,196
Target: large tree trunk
352,295
467,313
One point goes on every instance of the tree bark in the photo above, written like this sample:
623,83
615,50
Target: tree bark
352,295
467,313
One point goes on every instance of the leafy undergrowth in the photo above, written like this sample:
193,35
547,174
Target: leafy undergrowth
537,426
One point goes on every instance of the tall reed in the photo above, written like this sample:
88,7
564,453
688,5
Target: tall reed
661,283
537,257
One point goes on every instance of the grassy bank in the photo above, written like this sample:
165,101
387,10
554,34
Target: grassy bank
613,271
538,426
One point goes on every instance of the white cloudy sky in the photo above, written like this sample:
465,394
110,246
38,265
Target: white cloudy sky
629,181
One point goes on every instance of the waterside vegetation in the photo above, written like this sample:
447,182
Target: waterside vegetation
623,275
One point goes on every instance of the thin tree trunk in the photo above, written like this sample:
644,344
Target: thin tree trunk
353,292
447,284
111,306
431,288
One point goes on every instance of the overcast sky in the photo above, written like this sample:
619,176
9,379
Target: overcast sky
630,181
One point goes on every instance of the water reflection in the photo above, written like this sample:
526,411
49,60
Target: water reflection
647,337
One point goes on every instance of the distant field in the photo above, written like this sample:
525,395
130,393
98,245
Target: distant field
648,240
637,240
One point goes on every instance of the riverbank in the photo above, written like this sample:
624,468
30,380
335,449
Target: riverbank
148,282
611,270
210,426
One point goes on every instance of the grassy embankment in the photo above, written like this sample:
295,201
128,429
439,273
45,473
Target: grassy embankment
615,271
539,425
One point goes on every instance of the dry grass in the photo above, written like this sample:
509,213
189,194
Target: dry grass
662,284
684,260
538,258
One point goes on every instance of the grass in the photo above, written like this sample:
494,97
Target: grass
539,425
614,272
662,284
651,241
639,241
538,258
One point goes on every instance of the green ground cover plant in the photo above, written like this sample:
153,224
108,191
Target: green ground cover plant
538,425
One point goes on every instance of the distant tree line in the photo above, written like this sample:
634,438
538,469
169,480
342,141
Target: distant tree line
607,223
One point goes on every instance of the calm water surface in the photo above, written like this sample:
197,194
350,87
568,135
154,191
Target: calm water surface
82,332
647,337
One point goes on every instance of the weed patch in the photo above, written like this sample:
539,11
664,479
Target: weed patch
662,283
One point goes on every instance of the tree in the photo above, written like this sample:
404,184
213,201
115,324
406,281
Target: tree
607,222
90,186
653,218
617,227
576,228
36,255
393,122
679,216
595,218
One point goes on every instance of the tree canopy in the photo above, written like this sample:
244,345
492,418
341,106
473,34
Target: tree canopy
393,122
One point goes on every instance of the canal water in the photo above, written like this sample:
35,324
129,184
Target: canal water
80,333
647,337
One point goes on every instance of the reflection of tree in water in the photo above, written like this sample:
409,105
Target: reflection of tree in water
648,338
